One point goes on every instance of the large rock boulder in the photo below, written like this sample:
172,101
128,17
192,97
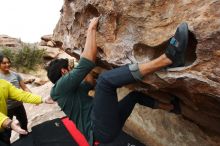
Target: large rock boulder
10,42
138,31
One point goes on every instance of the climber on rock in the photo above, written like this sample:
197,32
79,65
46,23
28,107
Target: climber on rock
101,118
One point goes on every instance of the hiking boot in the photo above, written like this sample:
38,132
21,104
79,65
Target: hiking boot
176,49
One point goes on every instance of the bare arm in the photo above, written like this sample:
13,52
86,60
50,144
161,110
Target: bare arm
23,86
73,79
90,49
47,100
14,125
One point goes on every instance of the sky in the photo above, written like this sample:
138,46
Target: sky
29,19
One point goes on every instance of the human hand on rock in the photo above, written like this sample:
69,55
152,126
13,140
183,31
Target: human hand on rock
93,23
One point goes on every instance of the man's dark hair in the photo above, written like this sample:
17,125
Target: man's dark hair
54,69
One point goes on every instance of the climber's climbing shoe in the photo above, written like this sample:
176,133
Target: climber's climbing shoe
176,49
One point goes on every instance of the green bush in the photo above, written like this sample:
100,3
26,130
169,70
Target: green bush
26,58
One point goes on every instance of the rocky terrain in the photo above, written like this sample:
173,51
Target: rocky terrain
138,31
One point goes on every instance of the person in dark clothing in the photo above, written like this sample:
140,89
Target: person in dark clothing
101,118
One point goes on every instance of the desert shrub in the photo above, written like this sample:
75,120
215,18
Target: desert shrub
26,58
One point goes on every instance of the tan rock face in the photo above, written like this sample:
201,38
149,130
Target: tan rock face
50,52
159,128
46,40
138,31
9,41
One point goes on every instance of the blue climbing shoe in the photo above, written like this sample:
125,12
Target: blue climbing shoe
176,49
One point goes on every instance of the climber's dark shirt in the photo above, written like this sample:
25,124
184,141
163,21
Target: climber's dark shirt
71,93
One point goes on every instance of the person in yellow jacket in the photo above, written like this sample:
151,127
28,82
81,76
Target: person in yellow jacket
8,91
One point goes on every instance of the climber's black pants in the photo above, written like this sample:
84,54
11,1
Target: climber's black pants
109,115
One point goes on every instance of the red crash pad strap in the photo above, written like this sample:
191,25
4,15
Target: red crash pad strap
74,132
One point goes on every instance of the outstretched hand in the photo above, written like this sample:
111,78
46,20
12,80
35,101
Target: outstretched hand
93,23
48,100
16,127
